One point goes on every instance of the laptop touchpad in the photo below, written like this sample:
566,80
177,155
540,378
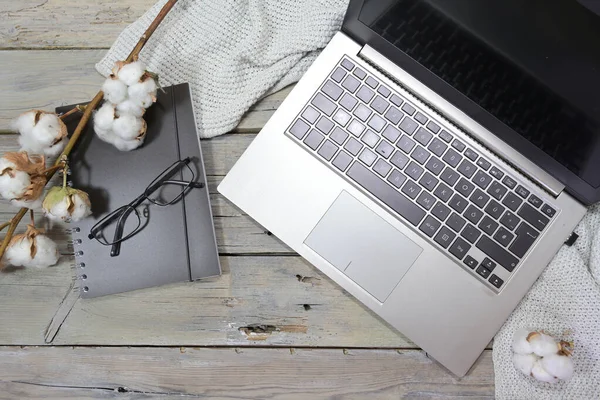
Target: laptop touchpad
363,245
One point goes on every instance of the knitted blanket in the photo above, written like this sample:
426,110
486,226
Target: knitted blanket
234,52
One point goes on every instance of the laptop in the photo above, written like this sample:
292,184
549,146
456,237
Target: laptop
434,158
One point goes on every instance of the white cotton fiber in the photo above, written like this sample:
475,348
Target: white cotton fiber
142,89
128,145
130,107
24,123
47,130
115,91
47,253
131,73
57,148
104,117
128,127
11,188
31,204
18,254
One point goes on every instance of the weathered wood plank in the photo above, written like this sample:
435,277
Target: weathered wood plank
47,79
150,373
66,24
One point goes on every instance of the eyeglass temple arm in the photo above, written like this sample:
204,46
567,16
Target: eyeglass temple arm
115,249
198,185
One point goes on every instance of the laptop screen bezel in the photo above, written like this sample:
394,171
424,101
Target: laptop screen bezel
364,35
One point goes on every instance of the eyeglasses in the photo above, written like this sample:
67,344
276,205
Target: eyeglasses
162,191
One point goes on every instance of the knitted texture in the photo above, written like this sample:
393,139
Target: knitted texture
565,301
232,52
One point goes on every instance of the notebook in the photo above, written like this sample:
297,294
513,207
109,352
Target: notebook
177,242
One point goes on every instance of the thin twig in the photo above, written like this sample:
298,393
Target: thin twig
72,111
4,225
86,117
32,219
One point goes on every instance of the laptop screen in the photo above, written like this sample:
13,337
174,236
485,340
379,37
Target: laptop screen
534,65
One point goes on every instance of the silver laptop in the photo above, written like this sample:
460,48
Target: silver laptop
434,158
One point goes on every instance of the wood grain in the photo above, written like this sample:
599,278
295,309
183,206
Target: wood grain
280,374
48,79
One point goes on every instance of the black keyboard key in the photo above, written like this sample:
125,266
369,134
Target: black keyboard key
459,248
464,187
328,150
356,128
362,112
445,136
471,155
351,83
325,125
347,64
377,123
348,102
443,192
497,190
311,115
414,170
397,101
422,136
489,264
452,157
422,119
549,211
510,220
426,200
365,94
409,109
420,154
496,173
408,125
434,165
494,209
342,160
338,75
339,136
533,216
479,198
444,237
430,226
405,144
384,192
467,168
483,271
411,189
382,168
521,191
429,181
437,147
372,82
379,104
433,127
483,164
497,253
526,236
456,222
535,201
450,176
440,211
473,214
370,138
394,115
470,233
368,157
385,92
503,237
488,225
384,149
399,160
359,73
458,203
299,129
512,201
470,262
458,145
353,146
314,139
396,178
494,280
390,133
332,90
342,117
482,179
510,182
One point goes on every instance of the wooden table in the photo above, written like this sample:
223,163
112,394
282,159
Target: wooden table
271,327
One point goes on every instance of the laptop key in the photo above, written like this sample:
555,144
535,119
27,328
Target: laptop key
443,192
342,117
433,127
411,189
397,101
408,125
342,160
348,102
380,104
459,248
483,271
440,211
456,222
503,237
422,136
356,128
496,173
434,165
405,144
324,105
483,164
365,94
347,64
471,155
385,92
420,154
414,170
473,214
399,160
428,181
396,178
368,157
452,157
422,119
521,191
384,149
311,115
328,150
382,168
510,182
339,136
496,281
482,179
359,73
299,129
409,109
445,136
470,262
388,195
534,217
549,211
489,264
430,226
494,209
470,233
458,203
512,201
437,147
314,139
497,190
458,145
362,112
351,83
497,253
450,176
467,168
464,187
332,90
338,75
370,138
372,82
390,133
394,115
353,146
526,236
444,237
510,220
426,200
488,225
325,125
535,201
377,123
479,198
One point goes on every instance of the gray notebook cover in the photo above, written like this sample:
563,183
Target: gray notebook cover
178,242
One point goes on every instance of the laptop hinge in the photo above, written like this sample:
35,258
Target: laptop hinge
448,112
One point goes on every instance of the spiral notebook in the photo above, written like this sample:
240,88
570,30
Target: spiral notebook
177,242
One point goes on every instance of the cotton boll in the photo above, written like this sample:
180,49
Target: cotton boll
520,343
47,253
145,101
115,91
131,73
128,145
142,89
66,204
22,176
104,117
24,123
128,127
48,129
539,373
524,362
131,107
18,253
56,148
558,365
31,249
542,344
13,183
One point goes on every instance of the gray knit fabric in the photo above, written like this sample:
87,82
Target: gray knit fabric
233,52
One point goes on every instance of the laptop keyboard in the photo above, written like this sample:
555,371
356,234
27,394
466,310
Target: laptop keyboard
456,198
